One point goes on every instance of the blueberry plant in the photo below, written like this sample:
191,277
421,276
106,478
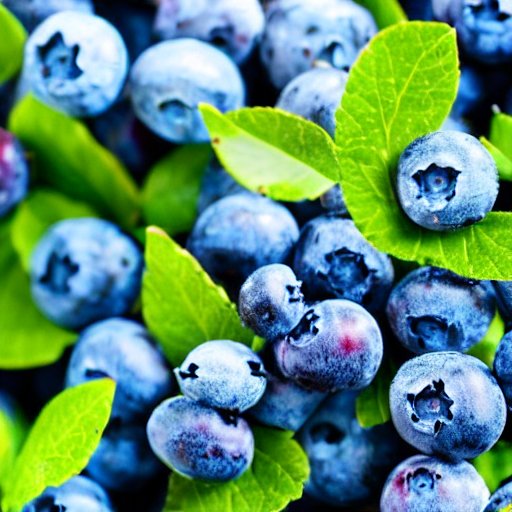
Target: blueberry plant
219,351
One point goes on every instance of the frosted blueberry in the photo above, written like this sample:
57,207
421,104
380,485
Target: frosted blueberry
222,374
446,180
199,442
170,79
75,62
447,404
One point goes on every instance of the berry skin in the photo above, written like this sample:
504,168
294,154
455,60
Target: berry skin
501,499
447,404
223,374
170,79
349,464
123,460
300,32
198,442
433,309
336,345
504,297
14,173
232,26
428,484
334,260
446,180
503,367
123,351
285,404
33,12
333,201
484,30
85,270
239,234
315,95
75,62
271,302
79,494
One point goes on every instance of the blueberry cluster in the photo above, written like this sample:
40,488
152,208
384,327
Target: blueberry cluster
331,314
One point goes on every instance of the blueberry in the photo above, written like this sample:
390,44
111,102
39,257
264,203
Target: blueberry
336,345
33,12
233,26
484,30
222,374
79,494
501,499
123,460
333,201
300,32
447,404
433,309
170,79
504,296
239,234
271,301
285,404
199,442
446,180
427,484
503,367
334,260
471,93
75,62
349,464
216,184
447,11
315,95
14,173
84,270
122,350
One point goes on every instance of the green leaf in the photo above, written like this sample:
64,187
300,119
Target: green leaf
27,338
273,152
276,477
372,404
36,214
503,162
495,465
501,133
171,191
486,348
12,434
401,87
11,47
68,158
181,305
61,442
385,12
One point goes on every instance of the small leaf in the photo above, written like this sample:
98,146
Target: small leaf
503,162
11,47
273,152
495,465
372,404
171,191
486,348
501,133
36,214
385,12
68,158
12,434
27,338
276,477
401,87
181,305
61,442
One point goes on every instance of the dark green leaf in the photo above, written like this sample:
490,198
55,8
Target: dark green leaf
385,12
68,158
171,191
11,46
486,349
12,434
495,465
27,338
36,214
181,305
61,442
276,477
273,152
